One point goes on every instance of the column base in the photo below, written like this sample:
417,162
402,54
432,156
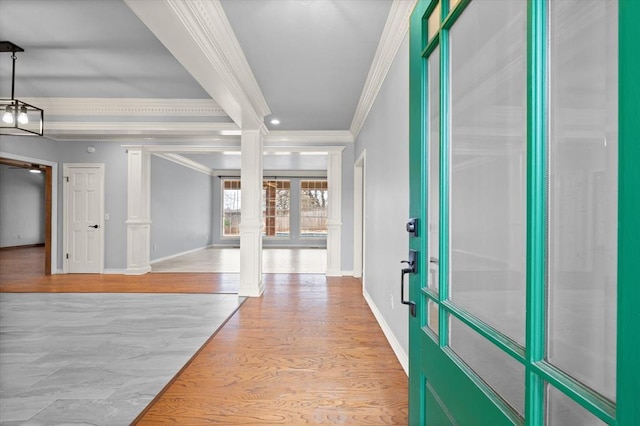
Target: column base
137,271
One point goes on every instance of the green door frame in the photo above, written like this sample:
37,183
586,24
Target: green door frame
427,347
628,372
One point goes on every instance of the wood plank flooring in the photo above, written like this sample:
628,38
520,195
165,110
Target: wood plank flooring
308,351
21,263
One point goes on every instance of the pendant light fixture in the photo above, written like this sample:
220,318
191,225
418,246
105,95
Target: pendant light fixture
18,118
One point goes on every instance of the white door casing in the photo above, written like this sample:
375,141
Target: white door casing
358,215
83,234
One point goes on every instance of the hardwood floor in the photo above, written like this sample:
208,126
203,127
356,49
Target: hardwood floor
308,351
22,271
149,283
21,263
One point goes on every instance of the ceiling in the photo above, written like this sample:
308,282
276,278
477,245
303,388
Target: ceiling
186,71
310,58
87,49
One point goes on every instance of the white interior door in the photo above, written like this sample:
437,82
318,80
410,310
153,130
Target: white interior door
84,234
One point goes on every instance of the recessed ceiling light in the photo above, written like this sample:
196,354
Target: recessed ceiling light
275,121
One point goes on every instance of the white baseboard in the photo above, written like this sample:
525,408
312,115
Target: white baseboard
333,273
179,254
395,345
113,271
347,273
106,271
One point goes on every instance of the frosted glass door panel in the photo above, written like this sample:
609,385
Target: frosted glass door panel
488,163
583,191
434,166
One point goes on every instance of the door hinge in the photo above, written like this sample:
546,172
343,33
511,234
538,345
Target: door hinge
67,255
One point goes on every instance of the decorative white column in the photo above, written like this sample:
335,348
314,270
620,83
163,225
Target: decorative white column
138,211
334,221
251,144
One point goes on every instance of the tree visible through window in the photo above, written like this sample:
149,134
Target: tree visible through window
231,208
276,206
314,198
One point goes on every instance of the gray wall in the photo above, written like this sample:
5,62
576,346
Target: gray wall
113,155
182,204
21,207
41,149
385,136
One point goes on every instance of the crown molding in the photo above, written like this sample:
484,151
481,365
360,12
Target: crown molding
199,35
235,55
309,136
172,128
236,173
187,162
393,33
183,149
58,130
128,106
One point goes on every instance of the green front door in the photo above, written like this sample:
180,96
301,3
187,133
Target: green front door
525,145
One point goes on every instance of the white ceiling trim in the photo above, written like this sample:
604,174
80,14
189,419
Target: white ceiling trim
172,128
310,136
210,27
314,149
234,54
147,131
128,106
235,173
183,149
187,162
393,33
199,35
132,139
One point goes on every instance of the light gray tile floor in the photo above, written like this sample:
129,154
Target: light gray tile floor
227,260
97,359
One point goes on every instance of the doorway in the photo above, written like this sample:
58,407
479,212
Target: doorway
48,206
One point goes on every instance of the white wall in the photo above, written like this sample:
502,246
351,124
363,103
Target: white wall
22,211
385,136
182,205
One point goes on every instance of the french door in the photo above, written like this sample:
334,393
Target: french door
525,135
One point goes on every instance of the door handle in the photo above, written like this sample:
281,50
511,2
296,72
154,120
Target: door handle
94,226
411,268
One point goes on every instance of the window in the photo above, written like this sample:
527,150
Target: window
307,205
314,197
231,208
276,201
